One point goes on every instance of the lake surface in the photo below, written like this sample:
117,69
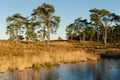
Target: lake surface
105,69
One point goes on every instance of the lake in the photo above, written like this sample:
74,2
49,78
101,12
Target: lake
105,69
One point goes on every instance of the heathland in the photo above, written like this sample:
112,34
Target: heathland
27,54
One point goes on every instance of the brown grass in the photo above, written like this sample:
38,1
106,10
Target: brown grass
22,54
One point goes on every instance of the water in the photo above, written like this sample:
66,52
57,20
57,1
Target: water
105,69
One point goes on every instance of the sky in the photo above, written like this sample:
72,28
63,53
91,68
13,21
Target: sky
68,10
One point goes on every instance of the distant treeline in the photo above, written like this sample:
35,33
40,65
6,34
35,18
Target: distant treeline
103,26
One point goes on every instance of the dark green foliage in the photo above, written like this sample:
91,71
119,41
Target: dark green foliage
104,27
15,26
50,22
43,22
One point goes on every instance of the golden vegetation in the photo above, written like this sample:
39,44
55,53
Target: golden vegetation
22,54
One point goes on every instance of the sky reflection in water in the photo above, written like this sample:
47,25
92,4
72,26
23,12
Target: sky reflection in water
105,69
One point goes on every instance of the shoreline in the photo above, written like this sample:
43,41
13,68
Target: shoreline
45,59
22,54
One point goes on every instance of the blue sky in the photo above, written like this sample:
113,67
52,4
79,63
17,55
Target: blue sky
68,10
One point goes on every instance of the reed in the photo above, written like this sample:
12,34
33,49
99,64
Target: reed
22,54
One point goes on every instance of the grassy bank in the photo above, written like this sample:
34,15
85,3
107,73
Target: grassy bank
21,54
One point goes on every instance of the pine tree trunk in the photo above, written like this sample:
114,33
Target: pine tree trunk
16,34
72,37
90,38
44,33
27,31
49,30
48,41
98,37
12,34
105,36
83,36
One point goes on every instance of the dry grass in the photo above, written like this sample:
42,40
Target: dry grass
21,54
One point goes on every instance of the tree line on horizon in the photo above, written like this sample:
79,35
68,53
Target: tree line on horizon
103,27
